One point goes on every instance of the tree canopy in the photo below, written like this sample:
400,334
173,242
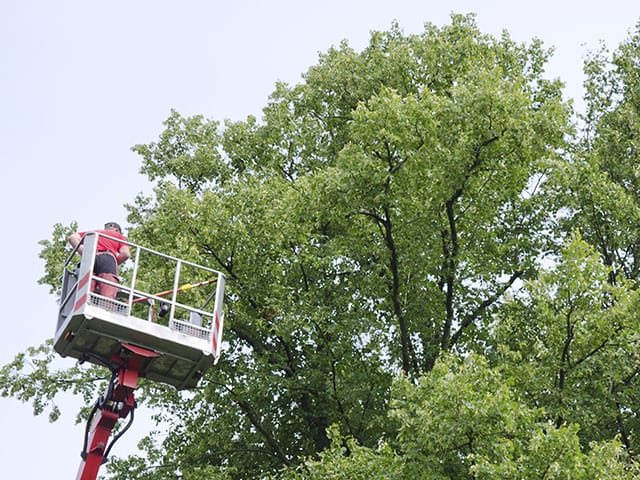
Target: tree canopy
431,271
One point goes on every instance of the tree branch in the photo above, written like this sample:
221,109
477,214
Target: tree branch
469,319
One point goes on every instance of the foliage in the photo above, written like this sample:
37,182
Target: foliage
425,278
54,253
461,421
571,345
190,158
30,378
600,186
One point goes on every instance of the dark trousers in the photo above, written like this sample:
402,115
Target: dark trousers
105,266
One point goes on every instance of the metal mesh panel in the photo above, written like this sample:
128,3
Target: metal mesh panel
189,329
109,304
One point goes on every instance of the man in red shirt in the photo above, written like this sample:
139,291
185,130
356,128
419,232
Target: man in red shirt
110,252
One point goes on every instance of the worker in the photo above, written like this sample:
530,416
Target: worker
110,253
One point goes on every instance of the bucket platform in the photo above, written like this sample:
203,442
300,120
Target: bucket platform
178,323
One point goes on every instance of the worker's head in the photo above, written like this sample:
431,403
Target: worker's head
112,226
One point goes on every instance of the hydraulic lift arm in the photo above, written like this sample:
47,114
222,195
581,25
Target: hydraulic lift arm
117,402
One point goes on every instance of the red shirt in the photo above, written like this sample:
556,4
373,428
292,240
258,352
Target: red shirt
106,244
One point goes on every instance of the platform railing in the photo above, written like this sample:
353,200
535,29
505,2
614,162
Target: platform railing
175,307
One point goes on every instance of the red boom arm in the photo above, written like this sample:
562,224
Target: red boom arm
116,403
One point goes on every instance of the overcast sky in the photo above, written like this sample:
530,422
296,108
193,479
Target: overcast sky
81,82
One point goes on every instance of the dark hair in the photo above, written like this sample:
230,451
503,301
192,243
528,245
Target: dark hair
113,225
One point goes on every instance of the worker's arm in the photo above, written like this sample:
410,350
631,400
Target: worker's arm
74,241
123,254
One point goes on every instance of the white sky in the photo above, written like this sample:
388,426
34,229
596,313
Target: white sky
81,82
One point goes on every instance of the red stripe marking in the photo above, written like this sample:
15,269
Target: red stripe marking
214,337
80,302
83,281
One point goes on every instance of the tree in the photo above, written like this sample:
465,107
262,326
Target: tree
460,421
592,370
600,185
569,343
371,223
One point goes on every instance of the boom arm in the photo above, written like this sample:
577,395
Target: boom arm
116,403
